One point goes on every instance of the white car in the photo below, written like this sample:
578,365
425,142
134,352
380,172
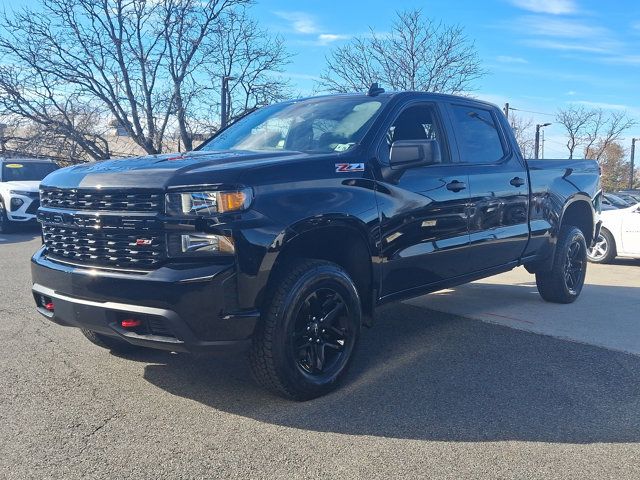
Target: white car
19,189
619,237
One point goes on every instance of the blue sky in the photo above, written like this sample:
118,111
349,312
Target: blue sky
541,55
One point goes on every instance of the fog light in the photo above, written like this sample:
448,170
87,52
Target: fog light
16,203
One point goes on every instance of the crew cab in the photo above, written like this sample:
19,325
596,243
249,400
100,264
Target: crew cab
285,231
19,180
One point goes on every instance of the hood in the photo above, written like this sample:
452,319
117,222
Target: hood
26,185
162,171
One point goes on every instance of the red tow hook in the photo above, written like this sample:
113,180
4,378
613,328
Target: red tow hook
130,323
49,306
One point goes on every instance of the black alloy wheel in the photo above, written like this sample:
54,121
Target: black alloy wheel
574,266
322,337
308,331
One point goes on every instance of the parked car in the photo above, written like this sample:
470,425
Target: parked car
284,232
630,198
611,200
19,180
619,235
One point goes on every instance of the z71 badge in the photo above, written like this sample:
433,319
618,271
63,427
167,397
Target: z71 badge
349,167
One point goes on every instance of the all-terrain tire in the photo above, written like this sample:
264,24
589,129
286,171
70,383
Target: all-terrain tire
299,289
564,282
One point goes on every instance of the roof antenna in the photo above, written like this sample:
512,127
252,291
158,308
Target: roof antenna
375,90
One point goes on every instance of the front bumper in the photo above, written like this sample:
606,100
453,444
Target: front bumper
183,308
26,212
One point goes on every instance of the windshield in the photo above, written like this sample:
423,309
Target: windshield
617,201
26,171
321,125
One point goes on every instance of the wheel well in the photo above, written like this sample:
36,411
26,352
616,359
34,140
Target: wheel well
344,246
579,215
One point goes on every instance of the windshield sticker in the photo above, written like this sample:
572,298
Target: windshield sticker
14,165
343,147
349,167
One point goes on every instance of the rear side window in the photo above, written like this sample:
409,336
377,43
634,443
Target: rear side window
477,134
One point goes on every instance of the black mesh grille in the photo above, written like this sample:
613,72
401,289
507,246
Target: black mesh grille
143,250
79,199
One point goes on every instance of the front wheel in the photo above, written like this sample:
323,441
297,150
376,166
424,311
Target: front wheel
308,332
564,282
5,224
604,250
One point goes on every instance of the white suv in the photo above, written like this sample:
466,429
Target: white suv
19,192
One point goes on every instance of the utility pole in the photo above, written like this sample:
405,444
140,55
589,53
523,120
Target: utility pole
537,146
506,110
542,146
633,165
224,93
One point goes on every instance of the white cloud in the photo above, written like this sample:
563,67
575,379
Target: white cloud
327,38
301,22
562,28
508,59
566,46
571,93
554,7
603,105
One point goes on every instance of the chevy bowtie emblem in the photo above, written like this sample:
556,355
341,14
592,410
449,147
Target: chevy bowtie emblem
143,241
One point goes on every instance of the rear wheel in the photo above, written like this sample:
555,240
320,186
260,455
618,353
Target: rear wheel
308,332
110,343
604,250
564,282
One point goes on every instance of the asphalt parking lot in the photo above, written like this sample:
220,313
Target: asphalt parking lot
483,381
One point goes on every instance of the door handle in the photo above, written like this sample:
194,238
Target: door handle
456,186
517,182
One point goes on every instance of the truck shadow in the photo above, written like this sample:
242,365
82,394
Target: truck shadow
20,234
433,376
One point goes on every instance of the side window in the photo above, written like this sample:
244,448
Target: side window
417,123
477,135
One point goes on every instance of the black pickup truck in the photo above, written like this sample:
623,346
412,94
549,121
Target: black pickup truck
283,232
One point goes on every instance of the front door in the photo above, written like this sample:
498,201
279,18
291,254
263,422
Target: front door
423,210
498,188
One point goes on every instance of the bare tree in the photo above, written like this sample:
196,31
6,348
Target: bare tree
133,58
525,134
417,54
253,58
592,130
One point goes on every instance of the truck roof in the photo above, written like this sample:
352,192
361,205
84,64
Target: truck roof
401,94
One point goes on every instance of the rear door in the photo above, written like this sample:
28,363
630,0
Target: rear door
498,186
423,210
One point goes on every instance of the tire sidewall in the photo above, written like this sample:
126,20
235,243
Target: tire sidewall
323,276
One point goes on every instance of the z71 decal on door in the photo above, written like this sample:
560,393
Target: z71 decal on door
349,167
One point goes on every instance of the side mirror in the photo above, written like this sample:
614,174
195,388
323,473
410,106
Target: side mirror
414,153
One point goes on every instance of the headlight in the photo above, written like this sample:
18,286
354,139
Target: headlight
23,193
207,203
198,244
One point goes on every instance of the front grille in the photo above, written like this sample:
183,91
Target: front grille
99,248
102,200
